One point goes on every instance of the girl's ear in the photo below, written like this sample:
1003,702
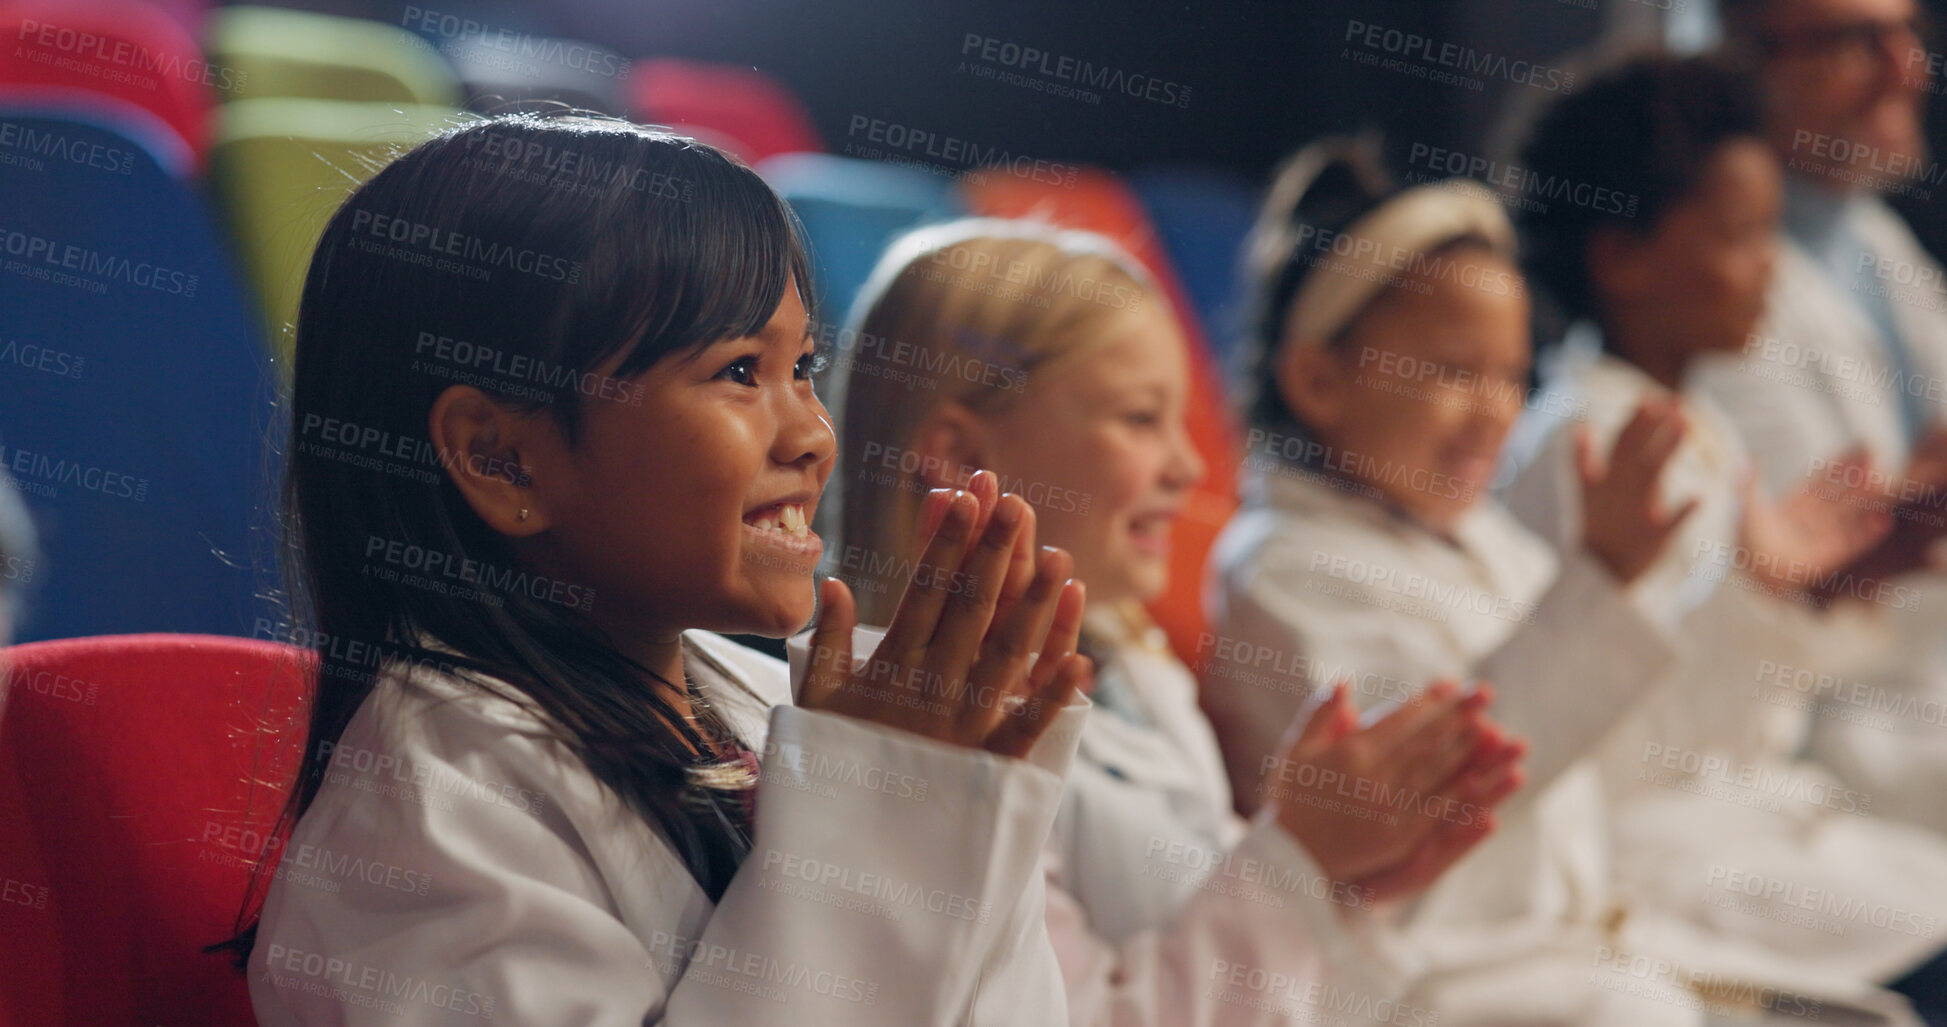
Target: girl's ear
1311,380
480,443
952,443
1618,263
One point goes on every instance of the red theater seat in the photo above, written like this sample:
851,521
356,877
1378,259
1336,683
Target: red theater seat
126,49
740,109
128,816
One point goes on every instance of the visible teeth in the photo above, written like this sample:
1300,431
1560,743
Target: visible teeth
785,518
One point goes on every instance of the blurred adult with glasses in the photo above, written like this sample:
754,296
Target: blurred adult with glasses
1844,82
1852,352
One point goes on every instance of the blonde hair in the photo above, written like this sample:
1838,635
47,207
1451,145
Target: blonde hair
973,312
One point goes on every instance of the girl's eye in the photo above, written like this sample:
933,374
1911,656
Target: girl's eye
742,370
810,364
1143,418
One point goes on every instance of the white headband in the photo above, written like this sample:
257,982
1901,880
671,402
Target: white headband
1388,242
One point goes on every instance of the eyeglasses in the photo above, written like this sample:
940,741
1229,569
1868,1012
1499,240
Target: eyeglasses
1855,43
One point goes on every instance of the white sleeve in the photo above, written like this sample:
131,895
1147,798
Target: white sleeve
1265,939
1785,424
923,904
1564,680
1589,655
1288,642
933,902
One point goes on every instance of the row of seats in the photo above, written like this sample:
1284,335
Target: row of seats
175,386
260,59
134,395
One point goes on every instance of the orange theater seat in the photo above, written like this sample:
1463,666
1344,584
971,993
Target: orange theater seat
1100,202
129,820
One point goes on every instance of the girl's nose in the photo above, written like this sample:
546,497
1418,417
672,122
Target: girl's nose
805,433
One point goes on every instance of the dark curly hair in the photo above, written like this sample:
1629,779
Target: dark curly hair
1636,138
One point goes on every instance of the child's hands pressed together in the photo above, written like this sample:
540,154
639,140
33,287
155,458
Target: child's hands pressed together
1390,806
981,652
1623,521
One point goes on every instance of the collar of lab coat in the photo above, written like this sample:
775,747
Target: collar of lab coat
1814,216
1310,495
743,687
1614,387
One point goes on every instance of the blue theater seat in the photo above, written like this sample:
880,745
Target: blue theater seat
134,393
851,209
1202,216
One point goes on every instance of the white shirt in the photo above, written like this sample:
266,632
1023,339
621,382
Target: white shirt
894,880
1316,581
1165,908
1717,822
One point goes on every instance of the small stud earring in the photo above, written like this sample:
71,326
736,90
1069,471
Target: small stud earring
523,514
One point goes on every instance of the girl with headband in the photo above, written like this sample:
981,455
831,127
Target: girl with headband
1390,357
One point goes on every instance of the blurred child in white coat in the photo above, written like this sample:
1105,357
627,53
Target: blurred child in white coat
1052,358
1389,357
1718,821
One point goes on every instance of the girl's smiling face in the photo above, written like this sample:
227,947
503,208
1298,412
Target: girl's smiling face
1418,399
692,509
1104,444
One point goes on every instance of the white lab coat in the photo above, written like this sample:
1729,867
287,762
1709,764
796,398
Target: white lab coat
480,870
1168,910
1815,384
1739,839
1142,787
1315,583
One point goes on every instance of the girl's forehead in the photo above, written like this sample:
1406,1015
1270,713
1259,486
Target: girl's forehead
1457,327
1138,356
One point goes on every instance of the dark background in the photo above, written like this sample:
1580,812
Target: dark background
1265,76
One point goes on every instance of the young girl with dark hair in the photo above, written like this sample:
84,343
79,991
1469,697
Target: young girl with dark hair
552,427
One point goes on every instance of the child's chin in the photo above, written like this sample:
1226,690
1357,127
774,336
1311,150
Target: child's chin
1149,581
1440,515
782,619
